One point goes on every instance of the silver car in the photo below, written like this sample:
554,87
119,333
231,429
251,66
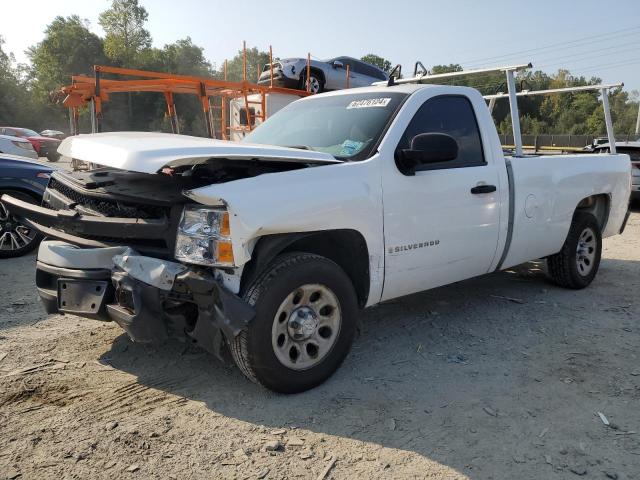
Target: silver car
633,150
17,146
325,74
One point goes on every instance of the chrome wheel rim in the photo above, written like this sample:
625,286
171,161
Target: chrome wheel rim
314,85
13,235
586,251
306,326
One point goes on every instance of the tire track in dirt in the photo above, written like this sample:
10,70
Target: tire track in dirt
134,398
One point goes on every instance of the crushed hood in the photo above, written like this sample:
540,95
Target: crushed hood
150,152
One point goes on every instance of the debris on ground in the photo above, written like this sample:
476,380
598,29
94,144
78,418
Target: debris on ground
578,470
327,469
273,446
391,423
111,425
603,418
490,411
509,299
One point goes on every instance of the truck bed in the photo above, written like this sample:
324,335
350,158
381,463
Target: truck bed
546,189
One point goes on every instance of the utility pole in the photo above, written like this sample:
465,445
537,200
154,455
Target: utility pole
638,120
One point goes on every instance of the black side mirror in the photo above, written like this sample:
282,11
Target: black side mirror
426,148
337,64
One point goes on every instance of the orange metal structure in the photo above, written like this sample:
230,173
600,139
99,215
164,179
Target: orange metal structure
94,91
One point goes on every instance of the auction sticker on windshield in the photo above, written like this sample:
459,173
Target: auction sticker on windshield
368,103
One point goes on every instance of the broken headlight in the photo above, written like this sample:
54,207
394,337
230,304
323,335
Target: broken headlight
204,237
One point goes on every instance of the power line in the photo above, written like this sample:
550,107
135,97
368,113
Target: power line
607,66
588,57
543,55
582,41
543,58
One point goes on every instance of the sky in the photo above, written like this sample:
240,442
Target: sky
588,37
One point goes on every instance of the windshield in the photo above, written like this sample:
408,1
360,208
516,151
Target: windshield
345,126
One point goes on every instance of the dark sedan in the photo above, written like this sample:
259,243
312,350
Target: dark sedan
26,180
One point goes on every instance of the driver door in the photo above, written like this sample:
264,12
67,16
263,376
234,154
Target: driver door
337,76
438,227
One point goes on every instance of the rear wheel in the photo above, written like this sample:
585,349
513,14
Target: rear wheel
576,265
53,156
16,239
305,322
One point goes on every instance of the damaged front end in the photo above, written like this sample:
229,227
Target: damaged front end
113,235
150,298
112,238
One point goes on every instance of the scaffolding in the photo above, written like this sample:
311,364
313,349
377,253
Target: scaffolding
214,95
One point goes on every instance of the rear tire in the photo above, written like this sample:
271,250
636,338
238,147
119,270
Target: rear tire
53,157
576,265
296,343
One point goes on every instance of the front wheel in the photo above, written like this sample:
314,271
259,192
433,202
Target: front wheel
316,85
16,239
53,157
304,326
576,265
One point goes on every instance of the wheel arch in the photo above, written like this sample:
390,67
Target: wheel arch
317,71
597,205
345,247
20,189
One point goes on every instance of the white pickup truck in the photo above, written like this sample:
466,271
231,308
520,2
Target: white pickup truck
338,202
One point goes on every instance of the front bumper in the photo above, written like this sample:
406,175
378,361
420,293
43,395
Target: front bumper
152,236
151,299
279,80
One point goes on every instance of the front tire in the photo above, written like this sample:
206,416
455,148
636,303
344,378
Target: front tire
306,310
16,239
316,83
576,265
53,157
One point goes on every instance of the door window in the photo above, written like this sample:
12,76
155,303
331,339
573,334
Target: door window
454,116
359,67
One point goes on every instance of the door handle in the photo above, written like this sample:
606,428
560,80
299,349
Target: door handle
483,189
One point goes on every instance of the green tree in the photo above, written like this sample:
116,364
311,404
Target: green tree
14,100
182,57
125,41
378,61
126,36
68,48
452,67
256,59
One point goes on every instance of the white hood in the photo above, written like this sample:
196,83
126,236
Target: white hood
150,152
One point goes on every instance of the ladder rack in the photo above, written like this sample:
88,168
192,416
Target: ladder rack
512,95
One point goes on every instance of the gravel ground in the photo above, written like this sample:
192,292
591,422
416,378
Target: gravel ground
500,377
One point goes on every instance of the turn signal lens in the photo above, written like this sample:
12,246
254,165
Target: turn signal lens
225,253
225,229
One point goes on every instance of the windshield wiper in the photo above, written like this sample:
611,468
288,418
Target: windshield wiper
299,147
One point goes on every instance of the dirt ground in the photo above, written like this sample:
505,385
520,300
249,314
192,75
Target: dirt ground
500,377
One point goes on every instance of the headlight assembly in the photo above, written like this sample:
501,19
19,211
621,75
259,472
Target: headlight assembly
204,237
